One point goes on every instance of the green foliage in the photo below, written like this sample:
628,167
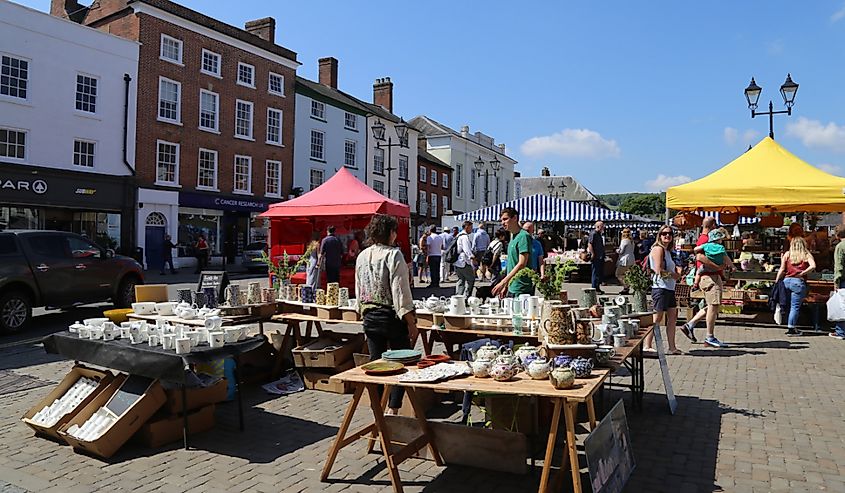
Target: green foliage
637,279
642,204
550,285
283,270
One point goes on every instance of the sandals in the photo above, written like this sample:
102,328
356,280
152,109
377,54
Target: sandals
675,352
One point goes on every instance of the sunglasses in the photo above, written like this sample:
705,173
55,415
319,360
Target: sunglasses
666,233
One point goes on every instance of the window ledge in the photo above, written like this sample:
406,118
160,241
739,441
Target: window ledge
272,195
350,167
319,119
319,160
242,137
351,129
275,144
207,189
172,122
277,94
211,74
241,192
243,84
165,184
209,130
378,173
86,114
14,100
169,60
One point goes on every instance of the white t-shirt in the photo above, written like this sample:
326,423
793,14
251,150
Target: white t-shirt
435,245
465,253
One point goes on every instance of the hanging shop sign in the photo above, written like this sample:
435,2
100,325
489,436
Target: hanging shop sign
32,185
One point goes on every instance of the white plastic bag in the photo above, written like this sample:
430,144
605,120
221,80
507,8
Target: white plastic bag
836,306
778,315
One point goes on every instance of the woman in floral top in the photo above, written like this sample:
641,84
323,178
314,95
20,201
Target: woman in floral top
383,288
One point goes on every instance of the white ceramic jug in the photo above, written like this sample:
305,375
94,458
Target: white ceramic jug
457,305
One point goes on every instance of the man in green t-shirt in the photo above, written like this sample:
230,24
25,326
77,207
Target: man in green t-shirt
519,253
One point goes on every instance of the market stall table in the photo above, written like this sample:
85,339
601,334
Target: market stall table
151,362
294,324
228,320
565,400
631,357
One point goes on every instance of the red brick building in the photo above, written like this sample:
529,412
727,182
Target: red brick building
214,123
434,196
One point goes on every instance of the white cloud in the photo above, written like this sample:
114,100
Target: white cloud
814,133
733,137
833,169
838,15
662,182
572,142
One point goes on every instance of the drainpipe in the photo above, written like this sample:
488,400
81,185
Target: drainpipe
133,190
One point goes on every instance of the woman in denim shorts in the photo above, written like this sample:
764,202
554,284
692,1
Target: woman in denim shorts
663,279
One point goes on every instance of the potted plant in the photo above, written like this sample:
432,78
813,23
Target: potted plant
639,282
551,285
283,271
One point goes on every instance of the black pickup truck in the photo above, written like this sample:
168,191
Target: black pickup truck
59,269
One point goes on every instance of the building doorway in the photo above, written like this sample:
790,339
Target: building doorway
156,227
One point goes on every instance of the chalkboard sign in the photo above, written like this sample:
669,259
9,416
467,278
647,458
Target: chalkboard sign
128,394
216,279
610,459
664,369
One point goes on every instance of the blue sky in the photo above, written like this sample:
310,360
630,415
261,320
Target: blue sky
624,96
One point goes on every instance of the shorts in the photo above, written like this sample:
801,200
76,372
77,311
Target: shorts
663,299
711,286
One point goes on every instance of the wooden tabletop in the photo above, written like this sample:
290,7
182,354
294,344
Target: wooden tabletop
480,332
521,384
301,317
631,345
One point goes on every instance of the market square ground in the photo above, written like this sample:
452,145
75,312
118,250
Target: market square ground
764,415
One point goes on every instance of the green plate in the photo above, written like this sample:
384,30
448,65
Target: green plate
381,367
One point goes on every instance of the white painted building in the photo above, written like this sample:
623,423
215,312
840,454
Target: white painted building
67,126
331,130
461,150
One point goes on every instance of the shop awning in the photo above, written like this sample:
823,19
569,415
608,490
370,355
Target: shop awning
342,195
768,178
540,207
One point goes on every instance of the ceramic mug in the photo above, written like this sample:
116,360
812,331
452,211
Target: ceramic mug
231,335
353,303
168,341
183,345
194,337
185,295
217,339
109,332
619,340
153,340
213,323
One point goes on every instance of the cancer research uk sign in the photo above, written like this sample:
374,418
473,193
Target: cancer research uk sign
222,202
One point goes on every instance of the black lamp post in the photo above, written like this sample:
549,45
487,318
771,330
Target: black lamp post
554,193
401,133
479,165
788,90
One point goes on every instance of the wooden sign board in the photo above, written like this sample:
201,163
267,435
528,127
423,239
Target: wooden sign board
216,279
664,369
610,459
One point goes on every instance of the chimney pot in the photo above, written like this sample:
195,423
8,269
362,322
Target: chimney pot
383,93
263,28
328,72
465,131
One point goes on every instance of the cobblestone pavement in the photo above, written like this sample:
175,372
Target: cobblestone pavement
764,415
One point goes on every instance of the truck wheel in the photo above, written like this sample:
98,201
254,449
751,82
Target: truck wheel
15,312
126,292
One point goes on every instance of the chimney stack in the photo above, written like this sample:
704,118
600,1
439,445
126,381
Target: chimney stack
545,171
263,28
502,148
328,71
465,131
383,93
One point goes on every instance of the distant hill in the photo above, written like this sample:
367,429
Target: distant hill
642,204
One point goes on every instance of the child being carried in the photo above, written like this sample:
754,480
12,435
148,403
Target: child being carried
715,252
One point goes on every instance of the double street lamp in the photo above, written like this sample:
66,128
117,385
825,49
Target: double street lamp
479,165
788,90
553,192
401,133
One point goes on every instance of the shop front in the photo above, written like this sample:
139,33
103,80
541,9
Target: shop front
229,223
99,207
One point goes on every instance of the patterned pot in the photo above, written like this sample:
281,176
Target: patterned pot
589,297
185,295
562,378
210,297
582,367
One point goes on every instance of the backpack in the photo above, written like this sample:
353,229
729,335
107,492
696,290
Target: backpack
487,257
646,266
451,255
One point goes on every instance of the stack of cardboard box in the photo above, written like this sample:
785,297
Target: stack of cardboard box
166,426
327,355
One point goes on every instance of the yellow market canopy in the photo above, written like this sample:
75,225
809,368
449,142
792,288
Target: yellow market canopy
767,177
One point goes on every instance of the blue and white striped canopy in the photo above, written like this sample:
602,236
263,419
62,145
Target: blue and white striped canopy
742,219
545,208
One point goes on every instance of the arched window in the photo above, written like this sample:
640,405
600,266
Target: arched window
156,219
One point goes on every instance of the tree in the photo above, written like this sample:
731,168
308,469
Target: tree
647,204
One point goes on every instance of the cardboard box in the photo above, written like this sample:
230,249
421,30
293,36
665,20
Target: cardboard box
122,430
168,429
322,353
197,397
321,380
350,315
151,292
67,382
328,312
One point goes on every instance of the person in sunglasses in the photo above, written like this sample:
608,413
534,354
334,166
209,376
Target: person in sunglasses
664,276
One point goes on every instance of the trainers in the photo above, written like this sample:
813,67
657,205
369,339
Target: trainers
836,336
793,333
713,342
689,331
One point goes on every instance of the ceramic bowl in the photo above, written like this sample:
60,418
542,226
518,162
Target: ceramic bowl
96,322
144,308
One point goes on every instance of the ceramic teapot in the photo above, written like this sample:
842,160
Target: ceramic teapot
562,378
487,351
480,367
524,352
560,326
582,367
435,304
539,369
562,361
504,367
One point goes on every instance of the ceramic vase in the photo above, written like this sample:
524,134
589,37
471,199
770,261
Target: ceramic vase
199,299
210,297
232,292
561,324
589,297
185,295
343,297
253,293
